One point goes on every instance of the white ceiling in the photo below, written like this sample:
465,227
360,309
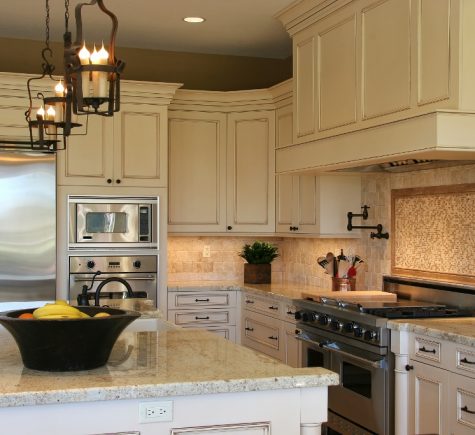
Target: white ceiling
234,27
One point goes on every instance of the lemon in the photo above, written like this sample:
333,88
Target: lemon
102,314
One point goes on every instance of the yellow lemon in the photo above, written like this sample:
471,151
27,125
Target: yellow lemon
102,314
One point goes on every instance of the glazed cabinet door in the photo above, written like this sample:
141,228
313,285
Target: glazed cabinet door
140,146
197,172
89,156
428,392
250,172
296,204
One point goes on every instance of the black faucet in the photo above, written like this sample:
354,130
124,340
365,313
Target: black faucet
83,298
130,293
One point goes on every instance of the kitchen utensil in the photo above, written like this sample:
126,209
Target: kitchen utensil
322,261
331,267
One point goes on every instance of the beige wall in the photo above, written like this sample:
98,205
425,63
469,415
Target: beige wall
195,71
298,255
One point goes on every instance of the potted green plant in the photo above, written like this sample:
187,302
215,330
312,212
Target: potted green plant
259,257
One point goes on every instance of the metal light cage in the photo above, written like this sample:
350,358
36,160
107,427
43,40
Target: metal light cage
75,71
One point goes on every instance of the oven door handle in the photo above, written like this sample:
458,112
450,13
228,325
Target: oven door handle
146,278
374,364
307,340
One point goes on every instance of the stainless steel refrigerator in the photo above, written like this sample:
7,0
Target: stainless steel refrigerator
27,228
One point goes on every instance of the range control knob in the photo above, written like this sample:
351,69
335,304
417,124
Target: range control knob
90,264
358,331
323,320
137,264
370,335
298,315
336,325
349,327
309,316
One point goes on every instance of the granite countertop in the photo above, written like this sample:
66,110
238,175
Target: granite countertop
459,330
283,290
170,362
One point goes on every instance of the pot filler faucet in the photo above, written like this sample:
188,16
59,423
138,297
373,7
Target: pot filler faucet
83,297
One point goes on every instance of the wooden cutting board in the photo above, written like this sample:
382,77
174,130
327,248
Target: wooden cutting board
356,296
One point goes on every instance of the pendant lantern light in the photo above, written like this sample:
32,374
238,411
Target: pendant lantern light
93,79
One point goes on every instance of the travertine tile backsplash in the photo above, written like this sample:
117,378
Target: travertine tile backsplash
297,262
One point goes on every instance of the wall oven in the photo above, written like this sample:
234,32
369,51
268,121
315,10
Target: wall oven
140,271
359,404
112,222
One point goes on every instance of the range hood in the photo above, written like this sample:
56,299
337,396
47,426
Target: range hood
407,165
435,139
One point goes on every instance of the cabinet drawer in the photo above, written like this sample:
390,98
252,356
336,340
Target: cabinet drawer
262,333
268,306
192,300
462,403
427,349
228,332
465,361
289,312
222,317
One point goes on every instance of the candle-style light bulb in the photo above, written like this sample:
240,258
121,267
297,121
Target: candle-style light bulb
50,114
84,58
99,78
40,114
59,89
103,55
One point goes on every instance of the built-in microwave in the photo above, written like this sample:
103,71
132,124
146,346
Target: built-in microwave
112,222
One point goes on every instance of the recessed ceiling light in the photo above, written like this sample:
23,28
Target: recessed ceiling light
193,19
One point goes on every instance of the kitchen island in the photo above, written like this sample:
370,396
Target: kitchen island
206,383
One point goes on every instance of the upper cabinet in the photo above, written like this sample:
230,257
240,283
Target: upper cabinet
317,204
221,162
378,79
128,149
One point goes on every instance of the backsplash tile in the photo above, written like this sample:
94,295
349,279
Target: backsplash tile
297,262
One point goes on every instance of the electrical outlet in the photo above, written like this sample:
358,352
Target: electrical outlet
150,412
207,251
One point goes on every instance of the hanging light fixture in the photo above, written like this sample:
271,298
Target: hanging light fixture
93,79
47,116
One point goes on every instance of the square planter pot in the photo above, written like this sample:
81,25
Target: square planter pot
257,273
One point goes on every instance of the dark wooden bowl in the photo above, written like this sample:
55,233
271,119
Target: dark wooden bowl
57,345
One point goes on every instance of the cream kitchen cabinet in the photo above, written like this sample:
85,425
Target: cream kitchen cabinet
359,65
268,326
197,172
221,166
250,172
317,204
128,149
435,385
214,311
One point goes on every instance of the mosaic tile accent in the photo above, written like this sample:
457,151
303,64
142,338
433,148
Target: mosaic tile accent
434,232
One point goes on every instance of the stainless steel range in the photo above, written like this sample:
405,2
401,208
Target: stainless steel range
354,341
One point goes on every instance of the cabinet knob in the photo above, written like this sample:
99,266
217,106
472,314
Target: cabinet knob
408,367
109,181
117,181
273,337
249,329
230,227
291,228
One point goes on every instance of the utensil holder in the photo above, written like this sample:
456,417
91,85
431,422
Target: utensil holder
343,284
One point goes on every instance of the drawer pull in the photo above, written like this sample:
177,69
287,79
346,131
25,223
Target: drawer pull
423,349
273,308
465,409
290,313
272,338
249,301
249,329
409,367
466,361
201,318
202,300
